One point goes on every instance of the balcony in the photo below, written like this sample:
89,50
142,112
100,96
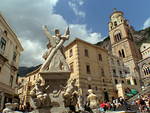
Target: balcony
3,58
14,66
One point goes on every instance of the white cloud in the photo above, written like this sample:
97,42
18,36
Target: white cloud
146,23
27,18
74,5
33,52
81,2
81,31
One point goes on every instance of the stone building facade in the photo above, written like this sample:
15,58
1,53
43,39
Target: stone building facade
121,76
90,65
10,51
123,44
144,64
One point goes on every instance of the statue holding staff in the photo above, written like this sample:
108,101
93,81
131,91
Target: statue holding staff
54,56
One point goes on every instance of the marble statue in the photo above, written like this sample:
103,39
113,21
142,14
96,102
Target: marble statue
8,108
38,96
70,95
54,56
92,101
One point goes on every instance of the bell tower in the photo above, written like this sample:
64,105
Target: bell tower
122,41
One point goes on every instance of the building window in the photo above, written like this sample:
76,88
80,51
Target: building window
96,88
14,56
114,72
123,54
89,86
128,82
120,53
102,72
34,77
71,67
115,23
116,81
118,62
135,83
120,73
100,57
88,71
118,37
5,32
86,53
2,43
11,80
122,82
70,53
103,80
112,60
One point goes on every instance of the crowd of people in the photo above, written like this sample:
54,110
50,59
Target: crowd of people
143,103
114,105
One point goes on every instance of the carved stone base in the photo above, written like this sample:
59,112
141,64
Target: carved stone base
44,110
56,82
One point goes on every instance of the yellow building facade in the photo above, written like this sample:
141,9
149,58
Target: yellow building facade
90,66
10,51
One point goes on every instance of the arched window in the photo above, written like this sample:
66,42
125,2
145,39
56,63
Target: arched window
115,23
120,53
146,69
123,54
116,81
117,35
5,32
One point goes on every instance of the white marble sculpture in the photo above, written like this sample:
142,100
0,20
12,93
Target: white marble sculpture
92,101
8,108
54,56
38,97
70,94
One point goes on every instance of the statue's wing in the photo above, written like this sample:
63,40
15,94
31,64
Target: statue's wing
48,35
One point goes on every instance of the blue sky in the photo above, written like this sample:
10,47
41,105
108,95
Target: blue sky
97,13
87,19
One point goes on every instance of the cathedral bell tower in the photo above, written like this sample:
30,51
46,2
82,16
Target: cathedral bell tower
122,41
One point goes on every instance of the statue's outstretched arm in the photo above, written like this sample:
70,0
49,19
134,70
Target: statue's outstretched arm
46,32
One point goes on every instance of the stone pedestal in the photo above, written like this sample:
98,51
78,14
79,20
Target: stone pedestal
42,111
56,81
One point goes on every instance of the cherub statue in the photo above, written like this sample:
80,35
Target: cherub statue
54,56
38,97
70,94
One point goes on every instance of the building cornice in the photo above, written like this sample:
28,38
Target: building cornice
79,40
9,28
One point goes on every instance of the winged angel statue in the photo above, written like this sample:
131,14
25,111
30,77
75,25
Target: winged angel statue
54,56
